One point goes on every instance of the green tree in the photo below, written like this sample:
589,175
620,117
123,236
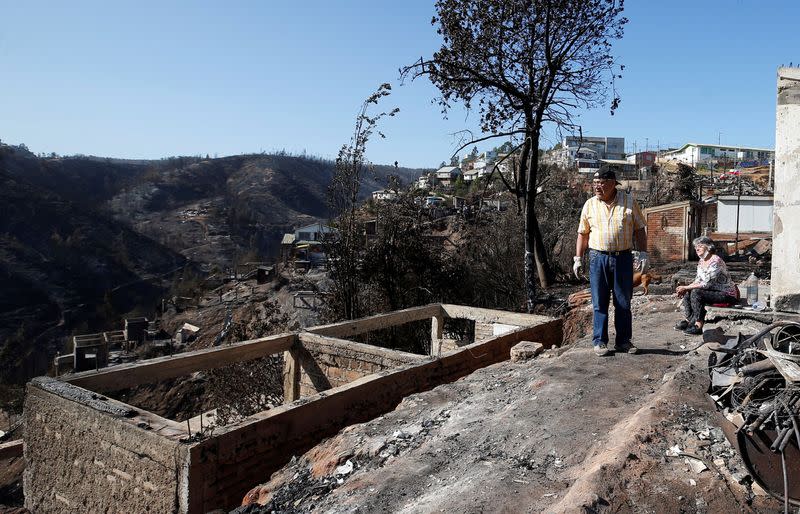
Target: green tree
521,64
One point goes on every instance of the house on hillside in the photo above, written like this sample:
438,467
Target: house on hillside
287,245
623,168
642,159
695,154
447,175
384,195
586,161
586,149
426,181
306,246
312,232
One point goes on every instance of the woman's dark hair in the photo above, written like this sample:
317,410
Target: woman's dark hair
707,242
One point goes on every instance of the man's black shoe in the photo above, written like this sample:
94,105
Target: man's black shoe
626,348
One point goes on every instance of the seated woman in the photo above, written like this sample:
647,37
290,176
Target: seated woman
712,285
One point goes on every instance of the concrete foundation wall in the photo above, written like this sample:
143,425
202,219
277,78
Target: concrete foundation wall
786,214
225,467
326,363
483,331
90,455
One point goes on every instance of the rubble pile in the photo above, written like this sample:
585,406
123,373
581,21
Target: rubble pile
755,383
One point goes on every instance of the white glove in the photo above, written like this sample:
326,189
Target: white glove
643,261
577,267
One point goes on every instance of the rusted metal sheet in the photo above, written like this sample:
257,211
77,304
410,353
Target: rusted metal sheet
764,465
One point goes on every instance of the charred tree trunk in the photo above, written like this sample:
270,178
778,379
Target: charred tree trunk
536,263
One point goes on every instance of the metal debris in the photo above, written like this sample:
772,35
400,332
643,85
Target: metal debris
755,383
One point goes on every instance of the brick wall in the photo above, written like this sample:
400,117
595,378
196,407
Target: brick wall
225,467
667,235
331,364
85,458
89,453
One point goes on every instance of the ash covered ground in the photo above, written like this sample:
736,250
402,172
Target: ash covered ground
565,432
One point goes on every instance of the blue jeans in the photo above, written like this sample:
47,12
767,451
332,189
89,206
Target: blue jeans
611,273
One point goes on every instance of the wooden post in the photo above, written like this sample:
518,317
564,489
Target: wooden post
291,377
437,323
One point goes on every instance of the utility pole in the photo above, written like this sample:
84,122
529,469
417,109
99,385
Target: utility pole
646,144
738,204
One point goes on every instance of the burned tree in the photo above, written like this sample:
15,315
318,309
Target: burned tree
523,64
345,245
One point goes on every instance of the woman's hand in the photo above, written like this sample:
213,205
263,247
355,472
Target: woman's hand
681,290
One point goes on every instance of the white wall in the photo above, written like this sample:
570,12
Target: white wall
786,230
755,215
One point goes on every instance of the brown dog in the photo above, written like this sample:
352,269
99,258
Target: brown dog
644,279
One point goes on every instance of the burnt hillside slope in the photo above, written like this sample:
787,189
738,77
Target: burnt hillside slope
63,265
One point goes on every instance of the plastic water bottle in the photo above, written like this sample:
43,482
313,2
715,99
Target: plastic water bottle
752,289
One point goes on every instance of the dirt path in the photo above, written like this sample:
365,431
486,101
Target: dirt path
566,432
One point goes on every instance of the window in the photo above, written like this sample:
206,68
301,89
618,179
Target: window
705,150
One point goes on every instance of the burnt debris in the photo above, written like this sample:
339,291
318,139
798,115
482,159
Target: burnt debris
755,384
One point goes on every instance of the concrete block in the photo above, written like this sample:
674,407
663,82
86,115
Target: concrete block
525,350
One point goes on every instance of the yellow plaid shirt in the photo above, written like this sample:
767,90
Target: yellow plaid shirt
611,227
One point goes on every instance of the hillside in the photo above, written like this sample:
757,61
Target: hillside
85,240
60,264
210,210
214,210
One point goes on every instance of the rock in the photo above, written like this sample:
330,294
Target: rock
345,469
741,476
525,350
258,495
696,465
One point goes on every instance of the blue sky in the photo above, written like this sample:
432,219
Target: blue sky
153,79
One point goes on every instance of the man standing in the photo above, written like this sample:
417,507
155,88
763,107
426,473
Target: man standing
610,223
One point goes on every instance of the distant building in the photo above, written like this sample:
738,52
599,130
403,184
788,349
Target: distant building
313,232
447,175
470,175
287,247
744,156
623,168
488,156
384,195
642,159
577,152
426,181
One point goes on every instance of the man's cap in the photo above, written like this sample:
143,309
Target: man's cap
606,174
